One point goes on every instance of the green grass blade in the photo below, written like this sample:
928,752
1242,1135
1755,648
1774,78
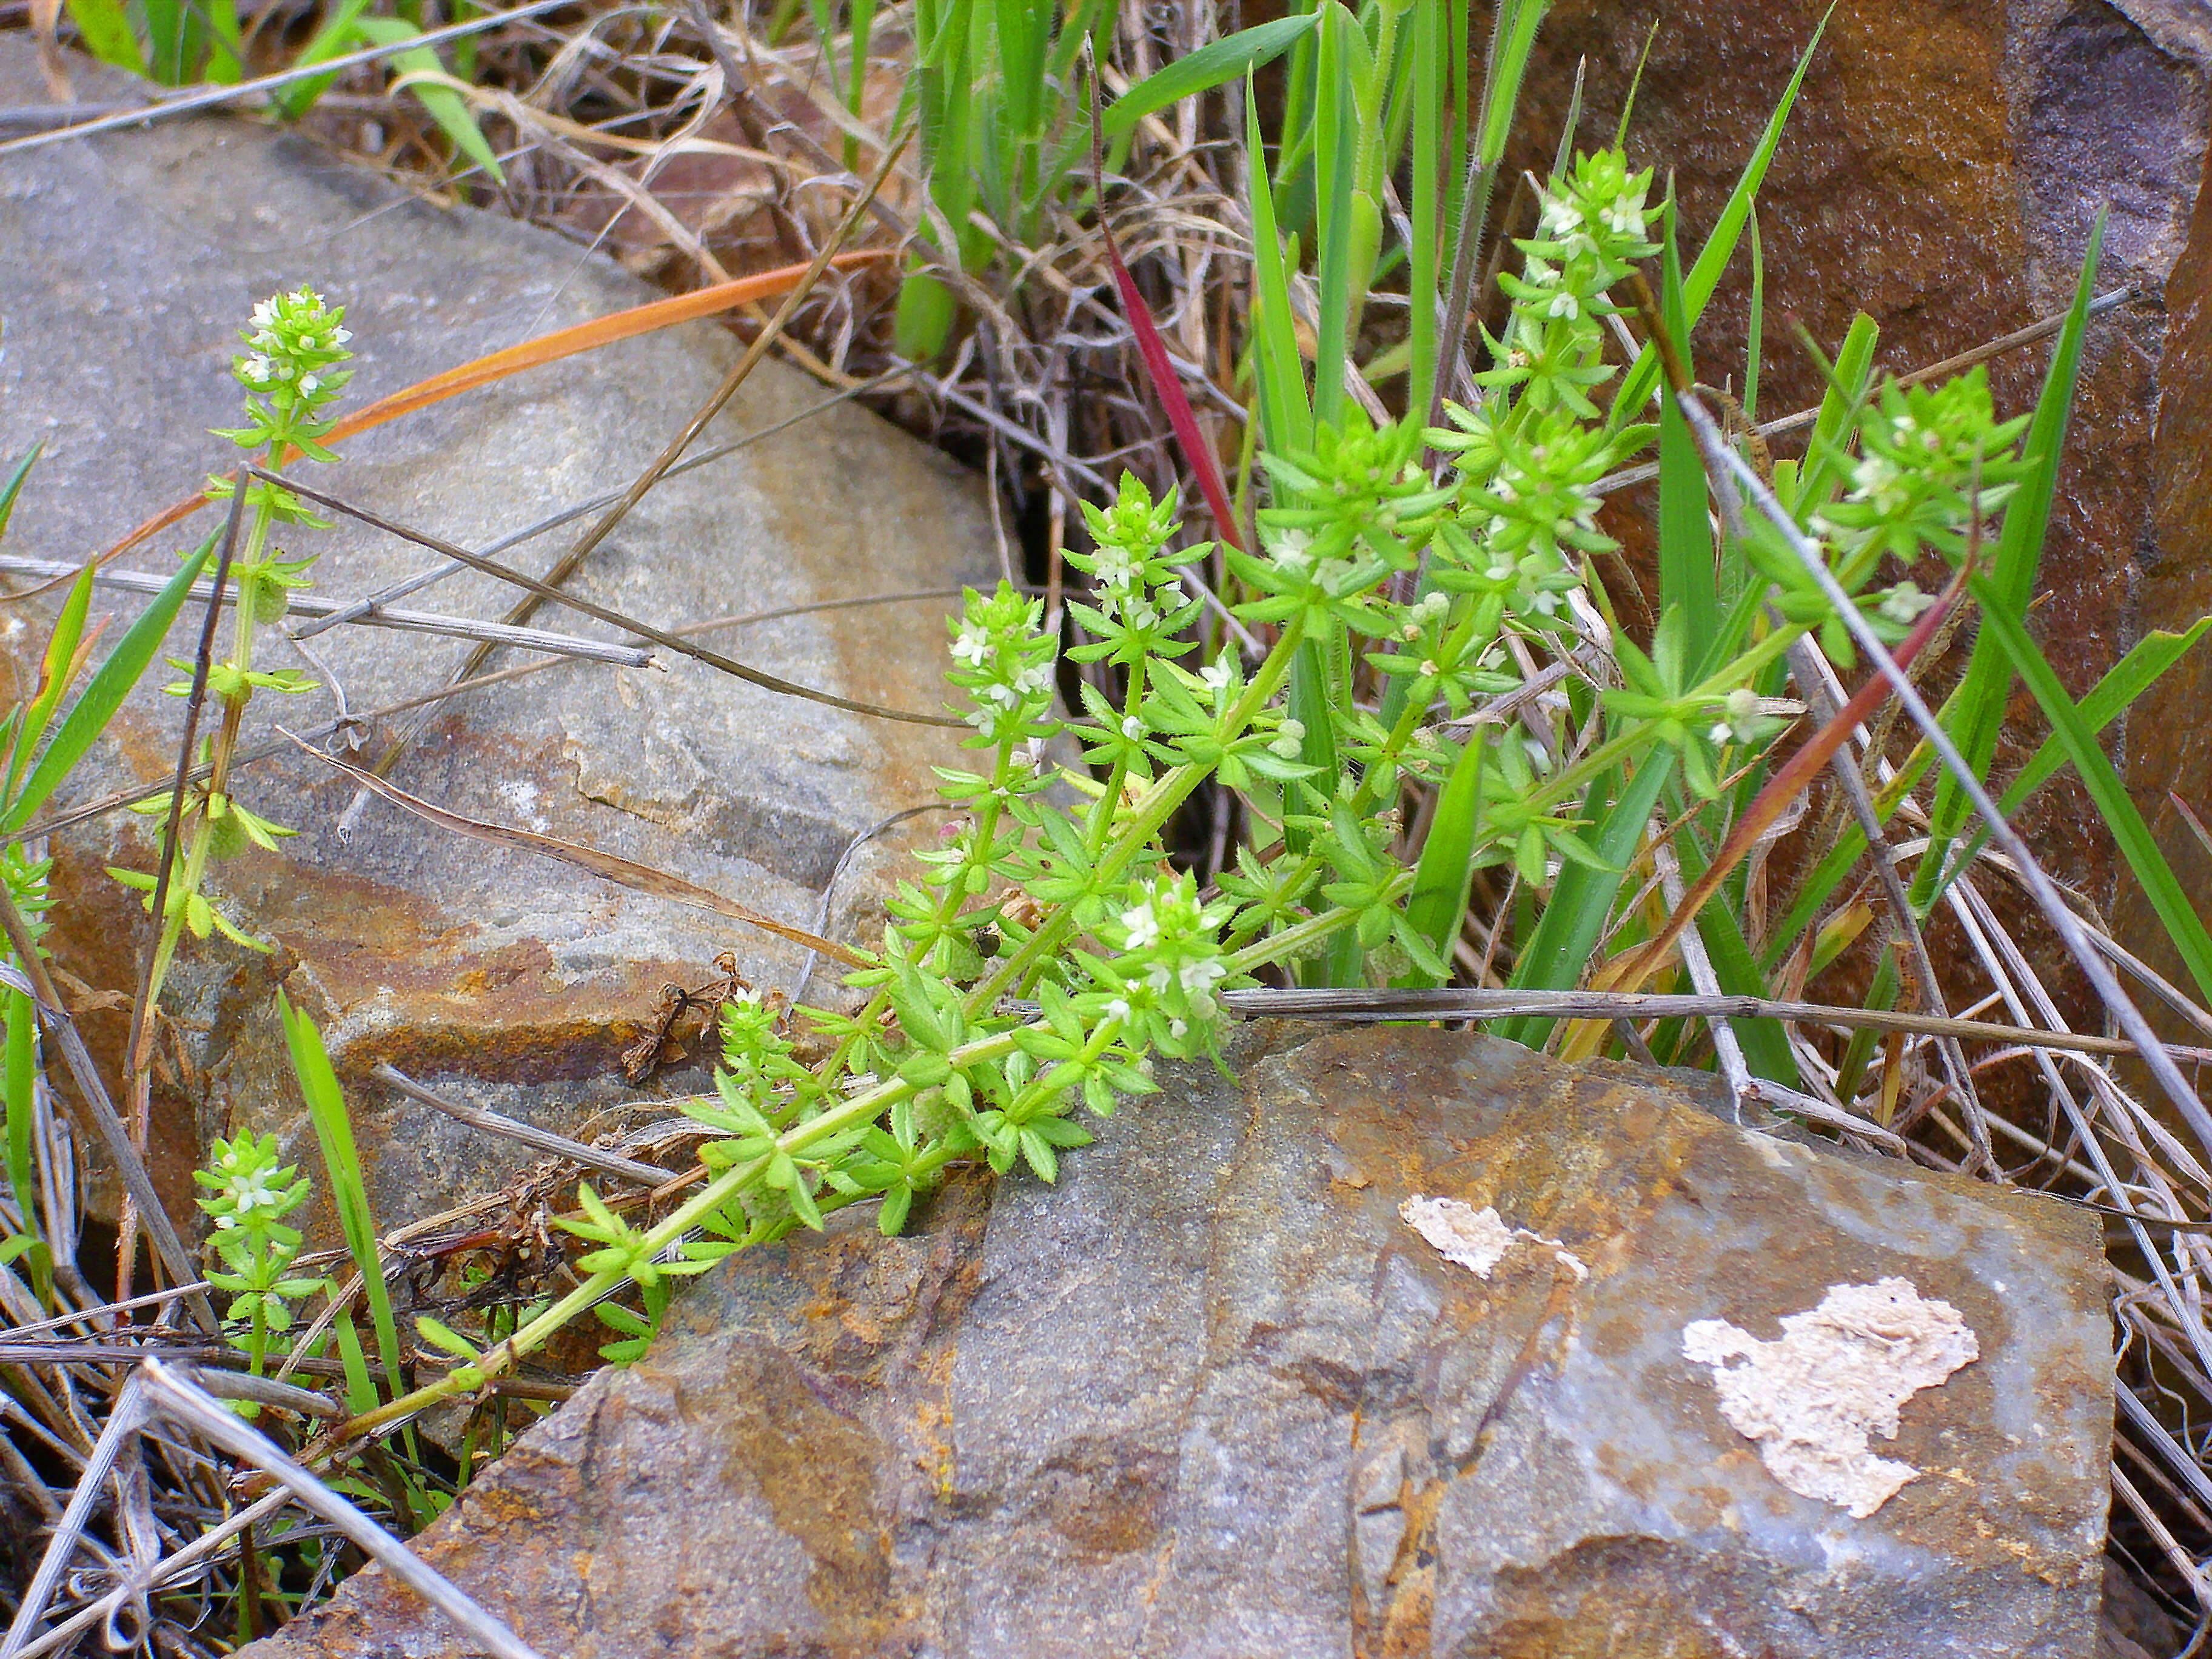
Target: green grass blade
104,692
2010,579
327,1109
2182,924
13,487
56,671
336,35
1286,416
1720,248
1502,96
1565,940
444,106
1213,65
1024,31
1423,276
22,1081
1755,325
1686,536
104,27
2123,682
1446,871
1765,1044
1827,451
1335,154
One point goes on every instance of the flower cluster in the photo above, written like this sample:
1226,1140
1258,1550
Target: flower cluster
1159,987
1142,605
251,1197
1933,459
290,372
1591,231
1529,502
1003,660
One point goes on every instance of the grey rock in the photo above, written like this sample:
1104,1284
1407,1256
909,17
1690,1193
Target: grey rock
131,261
1212,1395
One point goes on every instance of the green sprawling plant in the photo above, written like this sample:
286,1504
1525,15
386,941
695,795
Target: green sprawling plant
1051,951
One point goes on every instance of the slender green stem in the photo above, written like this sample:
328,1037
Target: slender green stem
739,1178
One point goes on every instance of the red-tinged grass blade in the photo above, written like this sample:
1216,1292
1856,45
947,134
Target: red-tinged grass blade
1792,779
531,354
1196,452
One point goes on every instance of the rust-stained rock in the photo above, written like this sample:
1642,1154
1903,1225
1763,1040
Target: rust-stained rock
131,262
1215,1395
1940,173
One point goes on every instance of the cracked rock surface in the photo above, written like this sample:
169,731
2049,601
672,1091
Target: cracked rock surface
1212,1396
131,261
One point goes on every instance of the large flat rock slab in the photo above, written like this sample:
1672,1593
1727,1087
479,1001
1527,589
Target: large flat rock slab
131,262
1214,1395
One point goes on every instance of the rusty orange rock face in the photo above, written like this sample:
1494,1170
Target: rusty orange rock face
1212,1396
1941,173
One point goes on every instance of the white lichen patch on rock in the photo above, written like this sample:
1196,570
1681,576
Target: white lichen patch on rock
1836,1375
1476,1240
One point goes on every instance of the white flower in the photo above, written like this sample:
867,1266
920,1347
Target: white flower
1035,680
1118,1009
1903,603
1116,569
265,313
1430,671
308,382
340,335
1739,717
1625,218
256,367
1292,548
1178,1028
1202,975
1563,304
1561,217
972,647
1142,926
1132,727
1215,674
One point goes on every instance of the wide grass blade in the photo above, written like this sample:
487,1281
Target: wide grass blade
1213,65
1808,483
104,692
1446,873
1286,415
1686,536
1335,157
1581,900
327,1109
1423,274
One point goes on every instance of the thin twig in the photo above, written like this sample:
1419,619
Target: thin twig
366,615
